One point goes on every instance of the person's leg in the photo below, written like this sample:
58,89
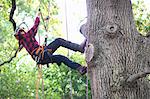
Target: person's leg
67,44
62,59
73,65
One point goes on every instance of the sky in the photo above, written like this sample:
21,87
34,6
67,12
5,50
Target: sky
147,3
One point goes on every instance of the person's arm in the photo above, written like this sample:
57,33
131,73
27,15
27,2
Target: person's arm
34,29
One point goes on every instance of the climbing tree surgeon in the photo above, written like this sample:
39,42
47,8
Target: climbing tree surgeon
44,54
121,55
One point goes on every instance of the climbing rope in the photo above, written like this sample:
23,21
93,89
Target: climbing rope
87,83
38,80
66,19
40,77
87,44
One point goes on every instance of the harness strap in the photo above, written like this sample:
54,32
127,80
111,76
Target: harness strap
39,51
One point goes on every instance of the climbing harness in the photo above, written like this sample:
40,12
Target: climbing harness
38,53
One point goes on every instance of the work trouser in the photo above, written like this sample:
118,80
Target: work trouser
50,58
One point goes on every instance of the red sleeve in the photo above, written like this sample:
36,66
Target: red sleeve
33,30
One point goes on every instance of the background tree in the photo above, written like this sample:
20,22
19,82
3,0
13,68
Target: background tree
121,54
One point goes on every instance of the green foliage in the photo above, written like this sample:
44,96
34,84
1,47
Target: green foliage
141,16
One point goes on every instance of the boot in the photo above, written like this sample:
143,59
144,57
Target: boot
83,44
82,70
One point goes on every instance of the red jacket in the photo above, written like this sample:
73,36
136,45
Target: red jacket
28,38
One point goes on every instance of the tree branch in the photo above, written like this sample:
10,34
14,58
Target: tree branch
8,61
14,27
137,76
12,13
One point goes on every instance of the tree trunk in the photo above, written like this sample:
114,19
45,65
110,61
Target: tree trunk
121,54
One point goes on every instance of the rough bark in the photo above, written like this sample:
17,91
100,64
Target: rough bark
121,55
